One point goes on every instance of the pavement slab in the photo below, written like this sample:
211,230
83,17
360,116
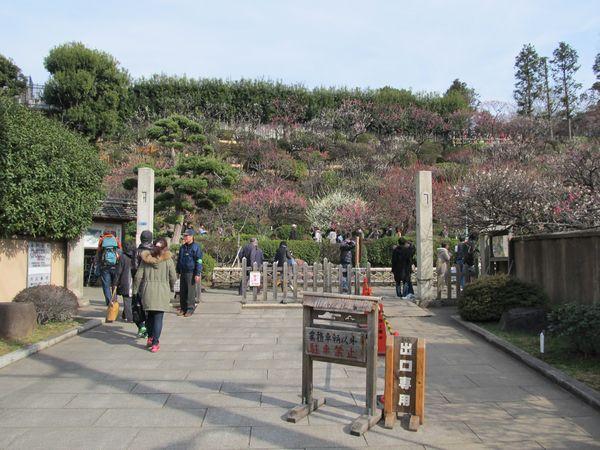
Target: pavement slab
225,378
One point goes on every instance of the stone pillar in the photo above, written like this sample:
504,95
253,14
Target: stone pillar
75,273
145,202
425,290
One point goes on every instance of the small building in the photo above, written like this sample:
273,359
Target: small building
112,216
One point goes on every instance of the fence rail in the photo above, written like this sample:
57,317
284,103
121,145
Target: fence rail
284,282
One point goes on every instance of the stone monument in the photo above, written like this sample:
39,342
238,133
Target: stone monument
145,202
425,289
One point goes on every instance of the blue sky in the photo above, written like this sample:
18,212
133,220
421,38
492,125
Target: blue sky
422,45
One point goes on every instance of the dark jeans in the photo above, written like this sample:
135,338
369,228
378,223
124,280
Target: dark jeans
408,288
127,311
108,276
154,323
137,310
187,292
399,289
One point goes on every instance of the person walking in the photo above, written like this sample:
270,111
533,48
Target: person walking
124,280
154,281
139,315
189,268
283,255
442,267
106,261
402,258
346,257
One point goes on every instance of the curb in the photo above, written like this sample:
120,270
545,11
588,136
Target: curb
271,305
579,389
12,357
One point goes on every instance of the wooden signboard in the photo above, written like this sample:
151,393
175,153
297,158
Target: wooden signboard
339,329
404,380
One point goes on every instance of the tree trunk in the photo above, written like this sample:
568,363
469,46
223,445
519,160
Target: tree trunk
177,232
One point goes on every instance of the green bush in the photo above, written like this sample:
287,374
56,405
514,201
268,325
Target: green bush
208,266
579,324
487,298
52,303
50,177
379,251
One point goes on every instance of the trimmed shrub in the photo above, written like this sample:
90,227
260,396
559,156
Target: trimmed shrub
379,251
208,266
487,298
52,303
578,324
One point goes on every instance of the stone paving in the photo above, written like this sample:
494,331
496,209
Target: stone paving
225,377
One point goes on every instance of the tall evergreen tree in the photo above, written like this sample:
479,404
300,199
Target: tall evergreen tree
12,80
527,75
596,69
564,66
546,93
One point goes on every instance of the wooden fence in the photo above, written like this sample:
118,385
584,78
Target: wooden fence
286,281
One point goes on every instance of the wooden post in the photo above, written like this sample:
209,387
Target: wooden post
315,276
369,273
458,277
340,279
371,391
390,384
244,280
349,272
420,391
307,363
254,288
275,273
357,281
305,277
449,283
328,274
285,280
324,270
265,280
295,282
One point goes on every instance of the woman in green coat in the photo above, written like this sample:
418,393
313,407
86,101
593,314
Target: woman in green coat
154,280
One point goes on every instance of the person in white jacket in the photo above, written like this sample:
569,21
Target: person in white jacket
442,267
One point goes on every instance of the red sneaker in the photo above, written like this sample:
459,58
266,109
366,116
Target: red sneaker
155,348
149,342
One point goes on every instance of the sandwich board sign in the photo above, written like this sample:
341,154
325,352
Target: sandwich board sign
340,329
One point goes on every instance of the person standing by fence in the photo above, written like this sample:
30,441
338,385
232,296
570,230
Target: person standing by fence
442,267
189,268
154,281
347,247
253,254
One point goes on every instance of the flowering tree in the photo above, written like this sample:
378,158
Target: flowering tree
510,197
338,209
271,205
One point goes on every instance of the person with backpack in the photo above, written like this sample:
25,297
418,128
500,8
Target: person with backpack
189,268
154,281
106,261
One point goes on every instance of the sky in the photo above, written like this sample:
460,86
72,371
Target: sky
421,44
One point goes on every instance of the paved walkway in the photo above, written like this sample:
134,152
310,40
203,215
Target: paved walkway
225,377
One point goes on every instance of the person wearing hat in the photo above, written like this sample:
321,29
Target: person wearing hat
189,268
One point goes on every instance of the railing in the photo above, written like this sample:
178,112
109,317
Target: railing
286,281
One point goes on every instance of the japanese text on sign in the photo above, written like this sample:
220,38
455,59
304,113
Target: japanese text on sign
336,344
39,267
407,374
254,280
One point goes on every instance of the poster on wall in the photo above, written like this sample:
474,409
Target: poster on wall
39,263
96,229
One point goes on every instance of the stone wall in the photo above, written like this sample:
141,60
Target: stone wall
565,265
14,264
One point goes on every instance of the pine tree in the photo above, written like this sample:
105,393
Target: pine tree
546,93
564,67
527,75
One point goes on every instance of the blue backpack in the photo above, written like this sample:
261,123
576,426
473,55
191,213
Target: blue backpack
110,256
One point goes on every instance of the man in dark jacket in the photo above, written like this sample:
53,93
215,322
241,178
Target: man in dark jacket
253,254
402,260
124,279
346,257
189,268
